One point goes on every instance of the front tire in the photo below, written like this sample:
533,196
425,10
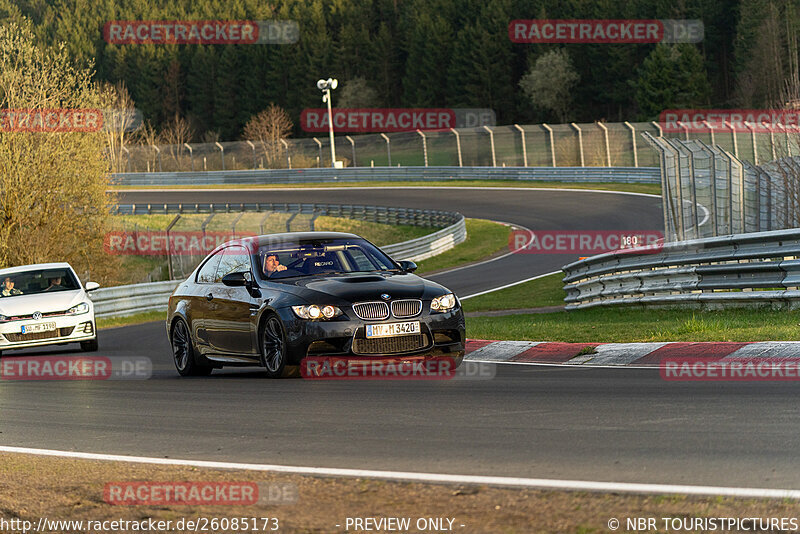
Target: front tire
183,352
273,347
90,345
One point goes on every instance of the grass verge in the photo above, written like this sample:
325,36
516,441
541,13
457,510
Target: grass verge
146,317
34,487
653,189
546,291
640,325
484,239
618,325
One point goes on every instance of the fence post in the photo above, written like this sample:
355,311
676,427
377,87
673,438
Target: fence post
771,139
158,151
552,143
169,247
658,127
685,130
608,149
319,158
191,154
491,143
388,148
221,154
353,146
633,139
524,148
288,159
253,147
458,146
710,129
424,146
580,142
128,157
753,138
733,136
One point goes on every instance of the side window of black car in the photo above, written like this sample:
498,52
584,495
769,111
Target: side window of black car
232,260
209,270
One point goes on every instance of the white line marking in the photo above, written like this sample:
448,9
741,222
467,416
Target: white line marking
507,254
489,188
512,284
541,483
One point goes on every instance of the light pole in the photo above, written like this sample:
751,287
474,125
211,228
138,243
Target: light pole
326,86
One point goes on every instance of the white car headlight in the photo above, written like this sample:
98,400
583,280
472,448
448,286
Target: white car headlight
444,303
80,309
314,311
3,318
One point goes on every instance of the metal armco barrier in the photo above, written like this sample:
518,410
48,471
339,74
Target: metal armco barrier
754,269
649,175
137,298
378,214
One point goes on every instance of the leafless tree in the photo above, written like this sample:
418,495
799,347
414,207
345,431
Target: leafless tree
269,127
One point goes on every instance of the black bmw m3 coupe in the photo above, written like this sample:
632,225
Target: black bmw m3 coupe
274,300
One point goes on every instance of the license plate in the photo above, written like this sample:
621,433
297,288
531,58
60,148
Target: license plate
38,327
393,329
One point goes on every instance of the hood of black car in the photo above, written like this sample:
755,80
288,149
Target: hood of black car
359,287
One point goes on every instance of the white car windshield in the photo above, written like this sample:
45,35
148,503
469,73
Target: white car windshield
37,281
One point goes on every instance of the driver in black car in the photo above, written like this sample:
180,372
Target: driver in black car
272,265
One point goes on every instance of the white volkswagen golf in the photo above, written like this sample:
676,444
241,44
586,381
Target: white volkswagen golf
45,304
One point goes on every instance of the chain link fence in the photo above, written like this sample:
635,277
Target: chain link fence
709,191
542,145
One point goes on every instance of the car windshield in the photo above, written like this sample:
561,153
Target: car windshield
319,257
37,281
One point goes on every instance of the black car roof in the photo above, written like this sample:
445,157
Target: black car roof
294,237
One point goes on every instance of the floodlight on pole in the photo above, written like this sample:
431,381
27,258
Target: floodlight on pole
326,86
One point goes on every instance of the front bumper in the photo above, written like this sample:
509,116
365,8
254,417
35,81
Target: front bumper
443,334
69,329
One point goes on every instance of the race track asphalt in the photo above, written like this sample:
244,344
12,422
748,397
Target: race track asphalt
622,425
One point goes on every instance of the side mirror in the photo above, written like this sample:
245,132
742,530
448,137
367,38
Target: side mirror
408,266
236,279
91,286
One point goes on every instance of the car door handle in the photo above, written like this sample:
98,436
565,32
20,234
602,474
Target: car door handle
210,296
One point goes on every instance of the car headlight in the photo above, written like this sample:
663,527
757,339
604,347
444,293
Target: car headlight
444,303
314,311
81,308
3,318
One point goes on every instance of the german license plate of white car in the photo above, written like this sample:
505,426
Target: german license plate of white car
38,327
393,329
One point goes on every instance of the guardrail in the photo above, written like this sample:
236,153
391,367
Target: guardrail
754,269
137,298
649,175
378,214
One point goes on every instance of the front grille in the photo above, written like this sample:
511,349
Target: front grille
59,332
371,311
390,345
406,308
